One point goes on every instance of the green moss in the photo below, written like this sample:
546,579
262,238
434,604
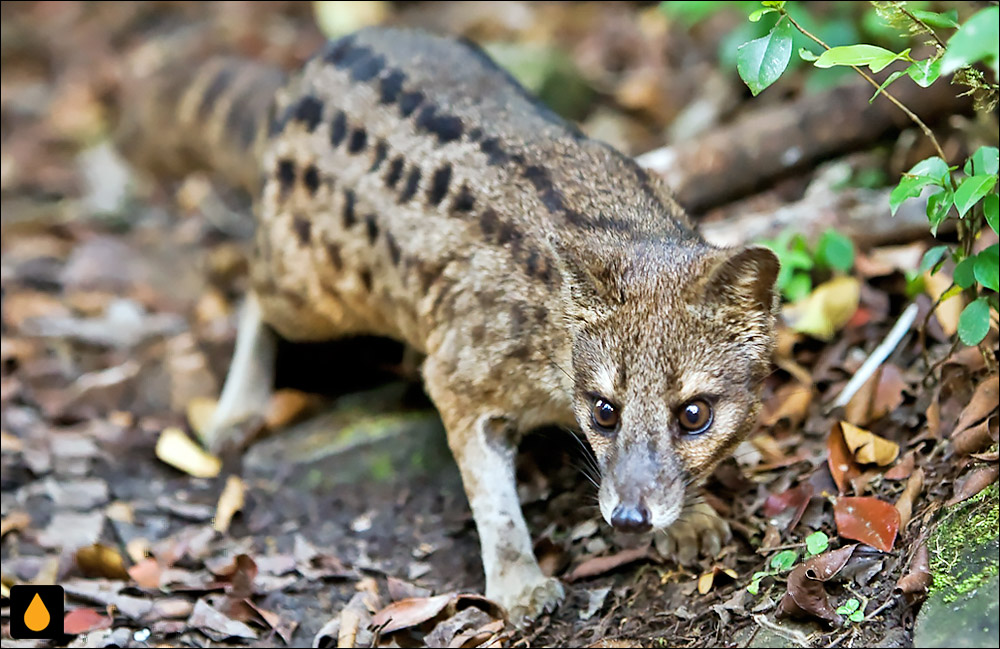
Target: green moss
963,547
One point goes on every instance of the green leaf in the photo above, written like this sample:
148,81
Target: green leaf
799,285
760,13
856,616
971,190
974,322
987,267
777,4
938,205
784,560
991,210
885,84
986,160
932,258
875,57
761,61
934,167
925,72
929,171
977,40
754,587
965,272
952,291
817,542
807,55
946,20
848,607
835,251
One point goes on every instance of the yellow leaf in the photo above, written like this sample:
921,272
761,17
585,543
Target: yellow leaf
827,309
199,414
230,502
705,582
181,452
867,447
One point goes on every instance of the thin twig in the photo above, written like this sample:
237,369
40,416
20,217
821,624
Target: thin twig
877,357
885,93
902,7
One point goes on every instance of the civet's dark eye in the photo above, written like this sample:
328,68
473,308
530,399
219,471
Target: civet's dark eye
695,416
605,415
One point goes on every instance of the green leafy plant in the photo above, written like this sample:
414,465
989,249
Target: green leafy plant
802,263
816,543
852,609
967,199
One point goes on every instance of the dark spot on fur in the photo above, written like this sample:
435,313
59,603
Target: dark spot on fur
488,222
381,150
367,66
366,279
412,183
521,353
310,178
338,128
219,83
303,228
359,137
408,102
517,319
390,86
333,252
394,252
439,184
349,217
446,127
478,332
395,171
495,155
286,174
508,235
464,201
551,197
475,134
309,111
338,49
371,226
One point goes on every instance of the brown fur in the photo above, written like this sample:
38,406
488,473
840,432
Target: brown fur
412,189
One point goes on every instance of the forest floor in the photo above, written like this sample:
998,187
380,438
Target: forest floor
347,519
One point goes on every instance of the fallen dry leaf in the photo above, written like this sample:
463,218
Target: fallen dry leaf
600,565
827,309
216,625
410,612
867,447
948,312
879,396
825,567
286,406
841,461
791,402
707,580
984,401
903,468
976,438
918,578
199,414
806,597
99,560
181,452
14,521
977,480
85,620
796,497
230,502
146,573
868,520
904,505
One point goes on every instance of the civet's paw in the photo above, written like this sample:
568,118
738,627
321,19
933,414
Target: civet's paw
698,531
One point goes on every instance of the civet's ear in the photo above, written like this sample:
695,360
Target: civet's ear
745,278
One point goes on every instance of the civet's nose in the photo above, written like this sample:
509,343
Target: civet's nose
631,518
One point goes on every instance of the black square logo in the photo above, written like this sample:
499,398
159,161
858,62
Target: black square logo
36,612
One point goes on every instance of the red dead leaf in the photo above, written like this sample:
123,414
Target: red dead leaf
843,468
903,468
868,520
797,497
146,573
806,597
85,620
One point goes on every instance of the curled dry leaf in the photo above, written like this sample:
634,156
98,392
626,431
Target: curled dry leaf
806,598
879,396
179,451
790,402
842,465
825,567
984,402
903,468
827,309
918,579
410,612
85,620
600,565
977,480
976,438
706,581
904,505
867,447
868,520
230,502
99,560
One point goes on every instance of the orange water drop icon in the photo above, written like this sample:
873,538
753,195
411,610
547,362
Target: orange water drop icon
37,616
